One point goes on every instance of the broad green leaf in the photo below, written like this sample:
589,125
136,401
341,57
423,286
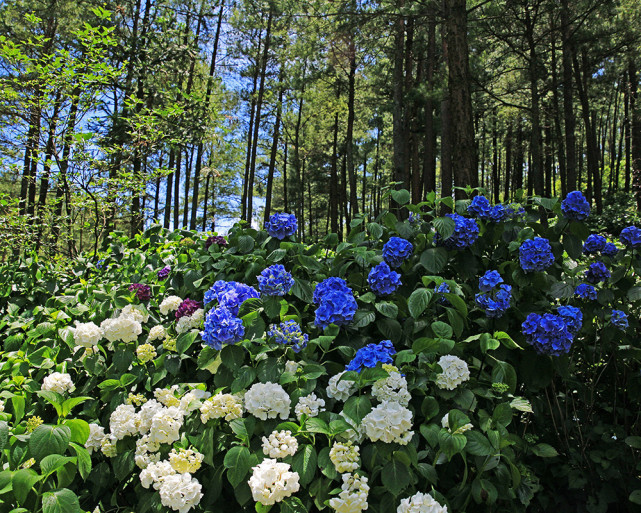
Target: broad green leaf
304,462
53,462
47,439
418,301
357,407
395,476
544,451
60,501
22,482
237,462
79,430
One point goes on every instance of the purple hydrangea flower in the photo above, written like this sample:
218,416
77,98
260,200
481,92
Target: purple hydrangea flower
466,231
230,294
219,240
496,302
442,289
593,244
382,280
336,307
631,237
480,207
489,280
187,307
330,284
164,272
619,319
547,333
585,291
609,250
143,292
572,316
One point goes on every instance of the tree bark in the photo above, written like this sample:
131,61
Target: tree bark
568,107
274,150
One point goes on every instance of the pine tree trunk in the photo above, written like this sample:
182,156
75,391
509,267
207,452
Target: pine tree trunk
274,150
568,107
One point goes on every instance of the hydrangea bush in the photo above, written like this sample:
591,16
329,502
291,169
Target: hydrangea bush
479,360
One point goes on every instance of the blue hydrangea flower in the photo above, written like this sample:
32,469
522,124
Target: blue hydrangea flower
514,211
619,319
500,213
466,231
575,207
372,354
336,307
396,251
441,289
597,272
480,207
572,316
496,302
536,254
547,333
489,280
593,244
330,284
414,218
280,226
585,291
382,280
222,327
609,250
230,294
631,237
289,333
275,281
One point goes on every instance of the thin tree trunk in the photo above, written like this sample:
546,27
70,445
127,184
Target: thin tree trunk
169,188
429,153
349,138
568,107
274,150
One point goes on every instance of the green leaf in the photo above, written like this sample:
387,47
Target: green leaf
18,403
434,260
634,441
53,398
244,377
123,465
521,404
445,226
292,505
304,462
634,294
316,425
478,444
451,443
245,243
363,318
185,341
232,356
418,301
502,414
53,462
237,462
83,460
442,329
4,434
79,430
271,304
71,403
402,196
544,451
60,501
387,309
47,439
22,482
395,476
109,384
635,497
357,407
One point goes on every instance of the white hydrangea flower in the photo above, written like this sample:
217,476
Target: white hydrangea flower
183,325
291,366
392,388
185,460
454,373
389,422
146,352
170,304
167,396
87,334
309,405
341,391
1,405
280,444
272,481
144,459
344,456
268,400
156,473
180,492
157,333
136,312
221,405
353,497
96,436
123,421
124,329
445,423
146,413
190,402
165,425
356,434
58,382
420,503
197,319
108,446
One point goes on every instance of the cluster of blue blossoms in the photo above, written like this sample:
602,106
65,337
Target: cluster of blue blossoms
396,251
619,319
275,281
631,237
536,254
585,291
597,272
372,354
222,327
289,333
480,207
280,226
597,243
575,207
553,334
442,289
230,294
336,303
382,280
466,231
495,296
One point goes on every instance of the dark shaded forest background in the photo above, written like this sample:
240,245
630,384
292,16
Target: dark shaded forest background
194,113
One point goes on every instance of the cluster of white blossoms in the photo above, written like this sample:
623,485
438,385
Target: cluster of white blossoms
291,366
136,312
185,461
166,424
108,446
272,481
167,396
157,333
146,452
420,503
280,444
309,405
344,456
191,322
58,382
123,421
353,497
454,373
446,424
96,435
170,304
180,492
357,433
126,327
392,388
389,422
340,390
87,334
221,405
268,400
145,352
